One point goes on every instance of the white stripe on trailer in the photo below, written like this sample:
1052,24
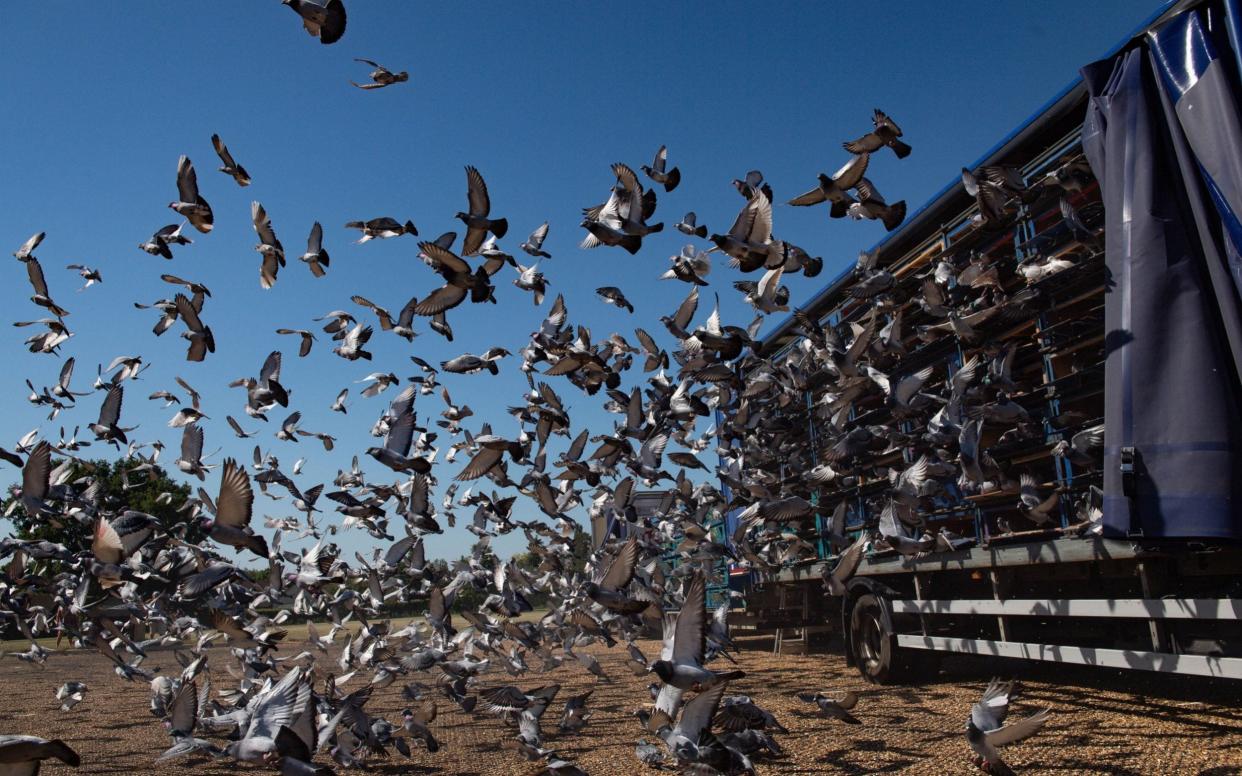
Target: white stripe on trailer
1135,608
1198,665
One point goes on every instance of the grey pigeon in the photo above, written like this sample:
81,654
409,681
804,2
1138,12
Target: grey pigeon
189,203
231,167
323,20
381,76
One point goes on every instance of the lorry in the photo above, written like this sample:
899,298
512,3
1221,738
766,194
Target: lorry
1136,561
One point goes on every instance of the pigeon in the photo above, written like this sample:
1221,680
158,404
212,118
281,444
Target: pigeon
158,244
476,219
748,242
230,168
613,296
1084,449
269,247
382,228
847,563
26,251
395,454
316,257
307,339
656,171
886,133
689,266
324,20
199,334
89,274
233,508
381,76
622,219
683,666
986,731
690,227
871,206
189,203
835,708
460,280
26,753
1039,510
835,188
71,694
534,243
531,279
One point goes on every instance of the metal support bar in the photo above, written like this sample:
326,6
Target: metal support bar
1001,626
1150,583
1198,665
918,593
1132,608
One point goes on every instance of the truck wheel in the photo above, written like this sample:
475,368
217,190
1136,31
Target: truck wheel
874,644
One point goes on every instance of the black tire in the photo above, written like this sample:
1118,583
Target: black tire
876,654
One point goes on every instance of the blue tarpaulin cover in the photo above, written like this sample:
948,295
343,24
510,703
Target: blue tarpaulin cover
1163,136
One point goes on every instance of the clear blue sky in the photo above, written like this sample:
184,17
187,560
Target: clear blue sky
102,98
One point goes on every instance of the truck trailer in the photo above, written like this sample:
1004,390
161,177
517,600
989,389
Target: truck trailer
1113,253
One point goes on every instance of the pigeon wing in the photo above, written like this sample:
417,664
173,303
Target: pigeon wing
688,639
621,570
236,500
1016,731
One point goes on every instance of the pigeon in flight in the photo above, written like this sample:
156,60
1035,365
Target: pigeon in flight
834,189
885,133
613,296
269,247
232,508
158,244
681,662
382,228
323,20
231,167
656,171
26,251
190,204
380,76
986,729
476,219
534,243
89,274
26,753
316,257
871,206
308,338
689,226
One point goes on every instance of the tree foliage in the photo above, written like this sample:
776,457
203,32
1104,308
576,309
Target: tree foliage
149,490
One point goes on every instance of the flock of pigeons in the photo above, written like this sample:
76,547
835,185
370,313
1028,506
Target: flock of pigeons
139,576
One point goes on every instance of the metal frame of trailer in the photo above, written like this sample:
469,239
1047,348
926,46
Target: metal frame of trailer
1045,594
907,622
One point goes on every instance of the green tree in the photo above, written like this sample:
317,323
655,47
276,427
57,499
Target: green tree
152,492
580,551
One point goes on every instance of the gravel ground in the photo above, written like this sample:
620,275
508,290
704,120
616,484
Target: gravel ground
1103,722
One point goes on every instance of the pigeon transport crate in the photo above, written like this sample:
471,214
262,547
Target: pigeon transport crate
1139,595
